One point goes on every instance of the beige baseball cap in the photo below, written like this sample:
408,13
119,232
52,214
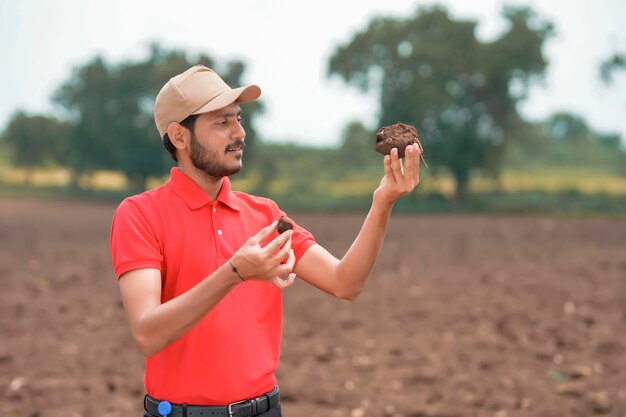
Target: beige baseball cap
195,91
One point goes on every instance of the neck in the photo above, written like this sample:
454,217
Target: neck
210,185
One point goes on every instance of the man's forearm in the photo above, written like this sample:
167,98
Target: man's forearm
154,325
346,278
167,322
355,266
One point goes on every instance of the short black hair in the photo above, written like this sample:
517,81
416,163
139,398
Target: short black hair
189,123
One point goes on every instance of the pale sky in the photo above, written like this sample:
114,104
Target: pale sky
286,46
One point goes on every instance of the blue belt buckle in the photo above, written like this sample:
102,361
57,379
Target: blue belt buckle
165,408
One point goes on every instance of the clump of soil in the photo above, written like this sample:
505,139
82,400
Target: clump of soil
398,135
284,225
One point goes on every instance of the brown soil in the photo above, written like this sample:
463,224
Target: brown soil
283,225
398,135
462,316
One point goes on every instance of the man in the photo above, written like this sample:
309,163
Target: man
201,267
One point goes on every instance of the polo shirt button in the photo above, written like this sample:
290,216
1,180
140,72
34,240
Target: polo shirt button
219,232
214,210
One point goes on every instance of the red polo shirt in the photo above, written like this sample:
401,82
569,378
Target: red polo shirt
232,353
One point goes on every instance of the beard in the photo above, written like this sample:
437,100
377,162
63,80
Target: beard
207,161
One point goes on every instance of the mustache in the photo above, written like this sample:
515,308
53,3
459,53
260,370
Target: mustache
236,143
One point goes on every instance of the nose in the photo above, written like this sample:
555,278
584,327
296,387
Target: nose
239,132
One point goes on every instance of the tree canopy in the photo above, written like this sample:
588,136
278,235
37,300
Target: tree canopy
35,140
612,64
431,71
111,106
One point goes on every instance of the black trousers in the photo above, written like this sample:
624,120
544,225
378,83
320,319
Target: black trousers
274,412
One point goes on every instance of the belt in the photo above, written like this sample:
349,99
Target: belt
245,408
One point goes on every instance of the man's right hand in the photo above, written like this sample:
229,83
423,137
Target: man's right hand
254,262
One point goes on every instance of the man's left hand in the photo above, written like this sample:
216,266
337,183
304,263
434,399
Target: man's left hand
399,180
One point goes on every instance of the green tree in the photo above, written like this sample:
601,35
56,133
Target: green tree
113,108
610,65
568,127
356,150
265,168
617,62
565,140
431,71
35,141
89,99
572,128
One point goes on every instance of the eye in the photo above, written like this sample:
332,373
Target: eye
223,122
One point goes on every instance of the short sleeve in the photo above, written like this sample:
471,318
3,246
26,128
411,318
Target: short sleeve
133,242
301,240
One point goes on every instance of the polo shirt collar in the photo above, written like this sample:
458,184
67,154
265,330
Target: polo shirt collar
195,197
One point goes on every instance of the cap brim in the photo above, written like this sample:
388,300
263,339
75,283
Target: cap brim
236,95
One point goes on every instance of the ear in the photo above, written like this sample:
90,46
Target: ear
177,134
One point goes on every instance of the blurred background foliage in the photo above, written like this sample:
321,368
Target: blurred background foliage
429,70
